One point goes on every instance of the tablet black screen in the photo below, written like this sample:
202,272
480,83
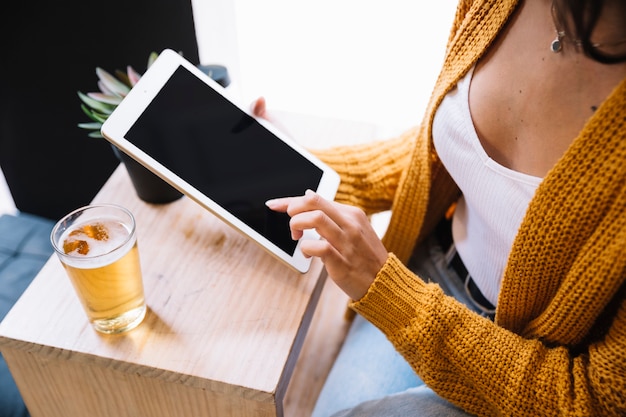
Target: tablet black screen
224,153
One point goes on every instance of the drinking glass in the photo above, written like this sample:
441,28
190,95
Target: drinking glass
97,245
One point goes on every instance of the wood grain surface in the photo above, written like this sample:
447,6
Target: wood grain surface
227,324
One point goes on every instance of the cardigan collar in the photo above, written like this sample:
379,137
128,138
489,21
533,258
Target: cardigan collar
476,26
579,212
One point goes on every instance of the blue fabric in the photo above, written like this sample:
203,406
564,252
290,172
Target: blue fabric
367,367
418,401
370,378
24,248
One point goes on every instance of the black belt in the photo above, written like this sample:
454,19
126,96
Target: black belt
472,289
444,233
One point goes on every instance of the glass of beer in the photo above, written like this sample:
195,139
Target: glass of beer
97,246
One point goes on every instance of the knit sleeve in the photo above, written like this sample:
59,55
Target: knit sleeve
370,172
486,369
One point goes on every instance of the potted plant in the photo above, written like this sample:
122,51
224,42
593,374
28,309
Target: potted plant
99,105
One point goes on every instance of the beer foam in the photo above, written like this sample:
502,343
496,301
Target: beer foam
94,239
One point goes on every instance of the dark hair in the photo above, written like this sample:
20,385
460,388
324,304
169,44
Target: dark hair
579,19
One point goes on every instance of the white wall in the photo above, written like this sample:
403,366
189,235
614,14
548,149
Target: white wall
367,60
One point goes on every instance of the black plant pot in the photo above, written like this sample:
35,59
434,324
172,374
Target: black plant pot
149,187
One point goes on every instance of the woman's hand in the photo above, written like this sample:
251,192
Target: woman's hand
350,249
258,108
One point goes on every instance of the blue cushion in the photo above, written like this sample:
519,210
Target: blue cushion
24,248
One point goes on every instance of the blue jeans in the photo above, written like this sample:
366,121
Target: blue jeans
367,367
369,377
418,401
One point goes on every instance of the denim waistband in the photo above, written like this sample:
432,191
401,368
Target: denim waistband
436,260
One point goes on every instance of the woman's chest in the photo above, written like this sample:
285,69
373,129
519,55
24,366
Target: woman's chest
527,103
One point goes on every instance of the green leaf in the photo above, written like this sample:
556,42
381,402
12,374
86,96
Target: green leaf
112,84
90,126
93,115
151,58
95,104
98,117
103,88
99,106
133,76
123,77
105,98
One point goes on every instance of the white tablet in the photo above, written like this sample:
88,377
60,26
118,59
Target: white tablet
181,125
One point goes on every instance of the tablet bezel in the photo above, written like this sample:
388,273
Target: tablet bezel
139,98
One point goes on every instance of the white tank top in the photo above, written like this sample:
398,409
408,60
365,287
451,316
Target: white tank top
494,199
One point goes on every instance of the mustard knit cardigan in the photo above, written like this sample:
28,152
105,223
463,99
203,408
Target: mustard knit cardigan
558,344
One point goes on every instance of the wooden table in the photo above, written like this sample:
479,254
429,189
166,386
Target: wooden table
225,325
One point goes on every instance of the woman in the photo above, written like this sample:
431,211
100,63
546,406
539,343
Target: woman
525,137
